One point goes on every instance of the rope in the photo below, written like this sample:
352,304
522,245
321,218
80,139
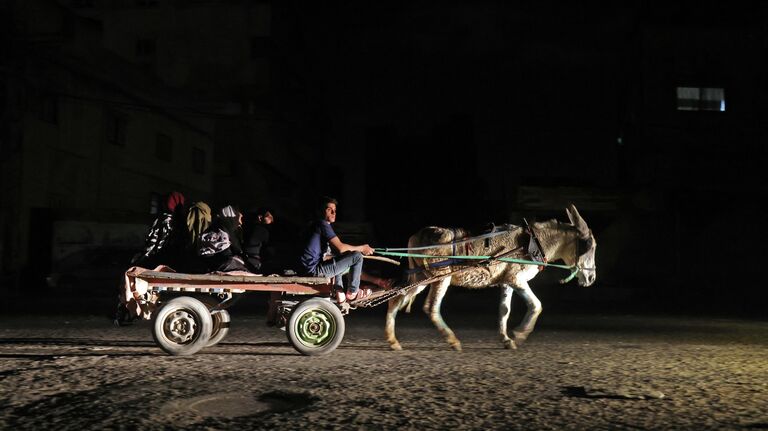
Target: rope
381,297
573,269
502,259
453,243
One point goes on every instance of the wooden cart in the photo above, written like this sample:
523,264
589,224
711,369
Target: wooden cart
189,312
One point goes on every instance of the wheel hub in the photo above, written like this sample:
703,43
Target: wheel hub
315,328
180,326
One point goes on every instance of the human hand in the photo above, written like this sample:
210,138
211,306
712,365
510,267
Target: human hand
367,250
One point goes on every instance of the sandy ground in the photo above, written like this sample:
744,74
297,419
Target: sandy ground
576,372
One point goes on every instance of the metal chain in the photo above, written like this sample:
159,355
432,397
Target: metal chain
379,299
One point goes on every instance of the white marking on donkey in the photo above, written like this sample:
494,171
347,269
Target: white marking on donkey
572,243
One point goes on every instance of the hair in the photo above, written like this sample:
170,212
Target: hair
322,204
198,220
174,201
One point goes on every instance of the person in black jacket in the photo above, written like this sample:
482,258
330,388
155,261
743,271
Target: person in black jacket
164,245
221,245
256,235
165,240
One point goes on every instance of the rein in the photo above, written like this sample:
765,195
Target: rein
536,243
535,249
447,244
501,259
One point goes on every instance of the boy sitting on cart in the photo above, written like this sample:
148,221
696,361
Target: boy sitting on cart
319,237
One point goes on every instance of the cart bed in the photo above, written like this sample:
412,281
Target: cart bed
157,281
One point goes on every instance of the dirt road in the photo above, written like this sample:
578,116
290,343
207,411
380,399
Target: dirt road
575,372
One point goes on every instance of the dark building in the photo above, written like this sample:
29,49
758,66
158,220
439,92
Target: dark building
648,116
87,141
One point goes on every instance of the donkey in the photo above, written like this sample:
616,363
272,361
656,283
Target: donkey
572,243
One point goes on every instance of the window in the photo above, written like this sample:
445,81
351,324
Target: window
145,48
115,129
700,99
198,160
154,203
164,147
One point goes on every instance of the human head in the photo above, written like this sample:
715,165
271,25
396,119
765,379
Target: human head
326,207
230,211
264,215
174,200
198,219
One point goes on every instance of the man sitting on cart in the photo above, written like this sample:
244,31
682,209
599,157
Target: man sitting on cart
317,240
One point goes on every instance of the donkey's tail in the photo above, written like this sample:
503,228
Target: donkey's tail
414,276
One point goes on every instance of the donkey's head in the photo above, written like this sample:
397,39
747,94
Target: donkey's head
585,248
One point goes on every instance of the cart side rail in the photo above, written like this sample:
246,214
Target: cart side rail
237,277
141,282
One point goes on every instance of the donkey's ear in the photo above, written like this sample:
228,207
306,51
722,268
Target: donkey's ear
572,215
576,220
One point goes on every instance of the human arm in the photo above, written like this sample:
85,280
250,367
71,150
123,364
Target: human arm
342,247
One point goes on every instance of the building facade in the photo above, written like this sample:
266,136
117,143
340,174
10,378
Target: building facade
89,142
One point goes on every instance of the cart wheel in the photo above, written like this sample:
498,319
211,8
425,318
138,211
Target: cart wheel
182,326
220,320
220,327
316,327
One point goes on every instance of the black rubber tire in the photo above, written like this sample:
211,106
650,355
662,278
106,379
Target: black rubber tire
315,327
182,326
220,318
220,328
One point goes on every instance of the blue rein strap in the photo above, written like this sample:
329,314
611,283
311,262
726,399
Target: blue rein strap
570,277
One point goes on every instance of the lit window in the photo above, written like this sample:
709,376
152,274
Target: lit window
700,99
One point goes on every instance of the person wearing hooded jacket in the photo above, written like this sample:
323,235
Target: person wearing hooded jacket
221,245
198,221
164,242
163,245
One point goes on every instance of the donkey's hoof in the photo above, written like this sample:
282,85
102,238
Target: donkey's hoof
456,346
520,339
509,344
395,346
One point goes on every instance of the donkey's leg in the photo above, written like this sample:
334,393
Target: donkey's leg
394,305
505,308
436,293
524,329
